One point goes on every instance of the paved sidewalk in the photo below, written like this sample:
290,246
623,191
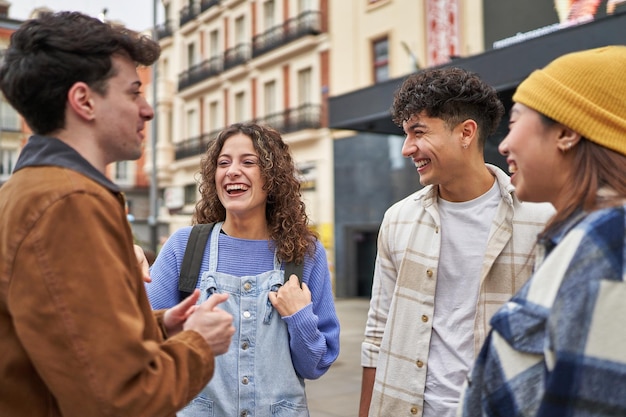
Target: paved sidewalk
337,393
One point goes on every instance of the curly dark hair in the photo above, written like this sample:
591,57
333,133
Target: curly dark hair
451,94
285,211
49,54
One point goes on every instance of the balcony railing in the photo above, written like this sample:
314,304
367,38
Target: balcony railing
194,146
307,23
306,116
206,69
189,12
207,4
237,55
164,30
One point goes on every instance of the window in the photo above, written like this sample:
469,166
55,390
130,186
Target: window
193,128
9,118
381,60
269,90
304,86
214,43
121,171
7,162
214,116
190,194
192,59
240,30
240,109
304,6
268,13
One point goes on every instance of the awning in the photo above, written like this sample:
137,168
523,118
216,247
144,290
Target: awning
367,110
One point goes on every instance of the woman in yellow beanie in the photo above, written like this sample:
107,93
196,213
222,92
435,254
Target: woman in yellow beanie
558,347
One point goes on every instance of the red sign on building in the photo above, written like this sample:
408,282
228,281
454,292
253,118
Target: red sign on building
442,32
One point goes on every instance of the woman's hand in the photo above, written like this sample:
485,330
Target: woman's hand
290,298
175,317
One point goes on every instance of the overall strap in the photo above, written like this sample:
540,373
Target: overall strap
192,260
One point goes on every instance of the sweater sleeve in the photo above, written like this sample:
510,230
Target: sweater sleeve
163,290
314,330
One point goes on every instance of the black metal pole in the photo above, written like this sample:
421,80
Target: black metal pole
154,209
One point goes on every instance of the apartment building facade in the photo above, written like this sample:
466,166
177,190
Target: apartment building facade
282,62
277,62
228,61
12,129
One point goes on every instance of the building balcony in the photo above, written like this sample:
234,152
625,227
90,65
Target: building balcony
188,13
164,30
306,116
207,4
200,72
211,67
307,23
237,55
194,146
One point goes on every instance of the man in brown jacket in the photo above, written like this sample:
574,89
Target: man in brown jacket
77,334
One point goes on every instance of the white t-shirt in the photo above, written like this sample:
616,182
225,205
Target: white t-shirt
464,232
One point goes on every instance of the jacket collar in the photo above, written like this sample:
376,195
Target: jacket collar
49,151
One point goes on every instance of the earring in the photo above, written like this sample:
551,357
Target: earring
465,146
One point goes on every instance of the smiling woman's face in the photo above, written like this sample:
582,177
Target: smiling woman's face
238,178
537,166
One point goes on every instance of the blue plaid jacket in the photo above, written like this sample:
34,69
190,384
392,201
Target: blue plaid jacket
558,348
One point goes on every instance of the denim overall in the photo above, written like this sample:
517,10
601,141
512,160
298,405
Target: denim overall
256,376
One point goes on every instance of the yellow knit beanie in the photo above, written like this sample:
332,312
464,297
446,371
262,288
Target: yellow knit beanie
585,91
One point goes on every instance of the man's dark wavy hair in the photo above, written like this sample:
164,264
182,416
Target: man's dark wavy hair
52,52
451,94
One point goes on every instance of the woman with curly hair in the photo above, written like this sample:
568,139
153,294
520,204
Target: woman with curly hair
286,332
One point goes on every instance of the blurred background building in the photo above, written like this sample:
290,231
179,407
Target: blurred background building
12,130
323,72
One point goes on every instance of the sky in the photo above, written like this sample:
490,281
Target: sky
135,14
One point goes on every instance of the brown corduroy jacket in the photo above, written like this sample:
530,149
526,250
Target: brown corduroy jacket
77,334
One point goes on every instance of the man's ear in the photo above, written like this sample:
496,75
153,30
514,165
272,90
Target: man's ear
80,100
469,132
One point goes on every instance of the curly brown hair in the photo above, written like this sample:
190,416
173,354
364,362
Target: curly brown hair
451,94
285,211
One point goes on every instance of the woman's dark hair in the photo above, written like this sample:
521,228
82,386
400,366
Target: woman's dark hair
285,211
597,168
49,54
451,94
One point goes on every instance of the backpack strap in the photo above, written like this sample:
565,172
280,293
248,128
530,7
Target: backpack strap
192,260
293,268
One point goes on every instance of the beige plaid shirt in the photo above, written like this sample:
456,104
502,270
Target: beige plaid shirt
399,323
